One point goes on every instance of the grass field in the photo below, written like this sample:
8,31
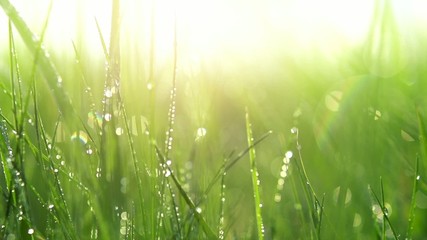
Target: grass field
228,121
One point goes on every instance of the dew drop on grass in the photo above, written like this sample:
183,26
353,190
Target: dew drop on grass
277,197
89,151
167,173
51,206
108,117
108,93
283,174
199,210
288,155
30,231
168,162
119,131
200,133
418,177
294,130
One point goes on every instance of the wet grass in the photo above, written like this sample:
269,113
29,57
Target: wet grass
118,148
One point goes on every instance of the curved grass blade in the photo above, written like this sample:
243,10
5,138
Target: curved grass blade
207,230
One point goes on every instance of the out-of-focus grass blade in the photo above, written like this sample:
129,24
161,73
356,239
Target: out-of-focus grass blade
207,230
48,69
255,180
413,204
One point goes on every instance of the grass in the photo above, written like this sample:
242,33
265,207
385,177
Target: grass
120,146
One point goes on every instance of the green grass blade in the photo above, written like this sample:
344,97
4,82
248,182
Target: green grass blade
412,207
255,179
210,234
381,203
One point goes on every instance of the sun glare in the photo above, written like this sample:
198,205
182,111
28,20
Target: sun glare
210,28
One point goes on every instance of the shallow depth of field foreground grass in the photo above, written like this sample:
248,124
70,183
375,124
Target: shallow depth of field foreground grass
213,120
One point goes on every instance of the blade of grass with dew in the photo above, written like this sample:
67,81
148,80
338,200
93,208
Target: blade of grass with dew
221,233
313,203
49,71
227,167
381,203
413,204
255,180
206,228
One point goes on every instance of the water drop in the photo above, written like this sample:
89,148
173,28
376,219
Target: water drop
107,117
283,174
199,210
119,131
50,206
418,177
168,162
30,231
124,216
294,130
200,133
289,155
277,197
167,173
108,93
89,151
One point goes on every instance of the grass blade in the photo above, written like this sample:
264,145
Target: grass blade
381,203
255,180
210,234
413,203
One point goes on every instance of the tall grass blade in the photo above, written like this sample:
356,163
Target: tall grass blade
255,179
210,234
315,206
